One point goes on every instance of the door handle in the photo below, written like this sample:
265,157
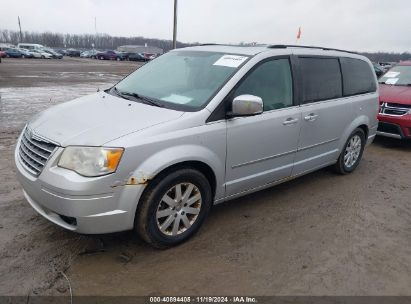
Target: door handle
311,117
290,121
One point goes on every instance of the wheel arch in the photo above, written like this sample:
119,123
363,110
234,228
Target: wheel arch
365,129
200,166
195,156
361,122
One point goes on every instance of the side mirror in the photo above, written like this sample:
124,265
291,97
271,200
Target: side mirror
246,105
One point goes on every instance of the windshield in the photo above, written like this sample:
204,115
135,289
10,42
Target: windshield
399,76
183,80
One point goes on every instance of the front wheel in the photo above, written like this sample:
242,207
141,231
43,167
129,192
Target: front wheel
173,208
352,152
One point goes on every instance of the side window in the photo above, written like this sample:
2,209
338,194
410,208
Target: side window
358,78
321,79
272,82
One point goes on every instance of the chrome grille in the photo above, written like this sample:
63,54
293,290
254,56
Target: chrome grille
34,152
394,109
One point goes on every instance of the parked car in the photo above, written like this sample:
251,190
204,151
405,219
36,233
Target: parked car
25,53
110,55
89,54
136,57
43,54
13,53
3,54
35,54
73,53
53,53
395,102
61,51
122,55
85,54
30,46
150,56
193,128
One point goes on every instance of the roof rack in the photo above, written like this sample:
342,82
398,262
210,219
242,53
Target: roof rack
284,46
235,45
205,44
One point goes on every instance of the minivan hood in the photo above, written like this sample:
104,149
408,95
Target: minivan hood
97,119
395,94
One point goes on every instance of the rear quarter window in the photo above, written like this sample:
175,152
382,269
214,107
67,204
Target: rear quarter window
358,78
321,79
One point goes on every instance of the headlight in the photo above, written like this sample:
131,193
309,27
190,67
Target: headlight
91,161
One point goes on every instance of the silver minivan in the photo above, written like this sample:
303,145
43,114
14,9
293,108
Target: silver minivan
193,128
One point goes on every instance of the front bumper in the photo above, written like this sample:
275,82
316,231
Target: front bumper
76,203
394,126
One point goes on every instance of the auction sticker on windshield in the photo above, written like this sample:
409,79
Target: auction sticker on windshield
179,99
232,61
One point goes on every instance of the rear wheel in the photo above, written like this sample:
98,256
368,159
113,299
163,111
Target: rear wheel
351,155
101,58
173,208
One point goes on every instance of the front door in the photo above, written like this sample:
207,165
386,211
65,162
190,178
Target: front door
261,148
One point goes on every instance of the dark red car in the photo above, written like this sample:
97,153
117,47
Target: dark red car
2,55
395,102
111,55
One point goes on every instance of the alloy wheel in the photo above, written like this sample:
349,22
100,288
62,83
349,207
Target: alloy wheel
352,151
178,209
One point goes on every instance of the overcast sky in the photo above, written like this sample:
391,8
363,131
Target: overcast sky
362,25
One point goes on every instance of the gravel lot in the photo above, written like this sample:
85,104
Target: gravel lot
322,234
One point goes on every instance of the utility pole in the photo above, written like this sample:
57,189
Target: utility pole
21,36
175,26
93,45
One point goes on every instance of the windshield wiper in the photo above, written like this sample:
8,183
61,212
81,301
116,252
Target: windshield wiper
145,99
118,93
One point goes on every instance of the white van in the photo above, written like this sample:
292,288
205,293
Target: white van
30,46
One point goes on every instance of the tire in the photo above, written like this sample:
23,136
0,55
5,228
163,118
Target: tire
118,59
42,57
155,220
8,56
352,152
22,56
101,58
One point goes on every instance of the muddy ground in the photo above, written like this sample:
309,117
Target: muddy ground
322,234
